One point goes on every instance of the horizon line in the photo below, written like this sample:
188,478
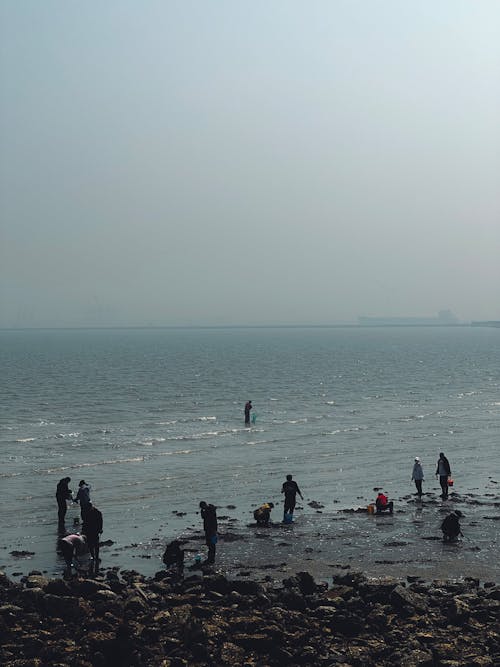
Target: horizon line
240,326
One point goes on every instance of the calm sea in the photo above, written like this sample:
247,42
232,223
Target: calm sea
153,420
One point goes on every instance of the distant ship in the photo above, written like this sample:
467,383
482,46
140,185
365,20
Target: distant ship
489,323
444,318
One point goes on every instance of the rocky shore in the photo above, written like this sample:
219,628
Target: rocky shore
122,618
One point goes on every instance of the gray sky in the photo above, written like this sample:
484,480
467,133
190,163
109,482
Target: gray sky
273,161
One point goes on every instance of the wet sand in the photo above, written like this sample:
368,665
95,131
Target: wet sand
322,540
336,587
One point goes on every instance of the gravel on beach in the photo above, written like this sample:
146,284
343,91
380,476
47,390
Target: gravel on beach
122,618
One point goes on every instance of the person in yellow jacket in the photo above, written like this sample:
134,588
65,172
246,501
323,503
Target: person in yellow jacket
263,514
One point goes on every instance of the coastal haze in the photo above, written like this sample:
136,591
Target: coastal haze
190,163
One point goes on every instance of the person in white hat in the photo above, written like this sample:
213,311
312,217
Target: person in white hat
418,476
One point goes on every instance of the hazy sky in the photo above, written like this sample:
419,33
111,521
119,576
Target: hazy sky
273,161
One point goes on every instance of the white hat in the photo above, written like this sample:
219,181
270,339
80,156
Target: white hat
417,459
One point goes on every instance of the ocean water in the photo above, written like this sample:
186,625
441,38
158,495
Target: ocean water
153,420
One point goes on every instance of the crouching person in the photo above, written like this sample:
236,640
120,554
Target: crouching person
263,514
383,505
174,555
72,546
451,526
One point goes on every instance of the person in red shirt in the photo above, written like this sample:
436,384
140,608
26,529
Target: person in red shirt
382,504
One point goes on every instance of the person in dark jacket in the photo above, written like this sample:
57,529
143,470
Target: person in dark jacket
443,470
92,528
174,555
451,526
83,497
209,516
63,493
290,488
248,407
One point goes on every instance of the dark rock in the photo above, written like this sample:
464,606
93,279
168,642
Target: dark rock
401,597
231,537
315,504
417,658
217,582
22,554
306,583
36,581
293,600
247,587
58,587
67,608
458,611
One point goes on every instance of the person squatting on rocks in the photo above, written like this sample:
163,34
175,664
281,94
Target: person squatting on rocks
263,514
418,476
209,516
83,497
444,471
174,555
92,528
71,546
248,407
382,504
63,493
290,488
451,526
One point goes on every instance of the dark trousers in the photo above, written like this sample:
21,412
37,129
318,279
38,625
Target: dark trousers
211,541
61,509
93,545
443,481
418,484
289,504
385,508
67,551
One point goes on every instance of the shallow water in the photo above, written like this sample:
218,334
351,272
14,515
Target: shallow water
153,420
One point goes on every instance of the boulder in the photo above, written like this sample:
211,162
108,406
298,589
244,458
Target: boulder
306,583
247,587
458,611
67,608
417,658
402,597
36,581
58,587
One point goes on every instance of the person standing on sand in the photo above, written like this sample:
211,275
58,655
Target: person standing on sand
83,497
92,528
418,476
248,407
443,470
63,493
209,516
290,488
